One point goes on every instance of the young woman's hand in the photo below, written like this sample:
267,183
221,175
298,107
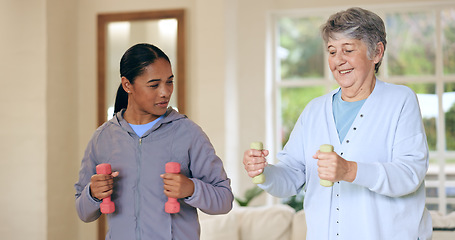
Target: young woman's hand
101,185
177,185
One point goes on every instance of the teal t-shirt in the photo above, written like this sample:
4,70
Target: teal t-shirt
141,129
344,114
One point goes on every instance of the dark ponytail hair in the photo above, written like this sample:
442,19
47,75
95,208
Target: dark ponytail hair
132,64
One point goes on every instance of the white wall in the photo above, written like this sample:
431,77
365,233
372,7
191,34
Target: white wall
49,96
61,118
23,120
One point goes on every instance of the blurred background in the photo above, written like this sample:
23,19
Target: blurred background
244,72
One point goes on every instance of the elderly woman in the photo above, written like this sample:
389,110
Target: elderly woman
380,153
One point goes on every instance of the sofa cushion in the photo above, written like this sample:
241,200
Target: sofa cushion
443,226
280,222
265,222
220,227
443,223
299,226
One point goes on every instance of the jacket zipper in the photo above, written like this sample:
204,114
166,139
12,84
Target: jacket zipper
138,195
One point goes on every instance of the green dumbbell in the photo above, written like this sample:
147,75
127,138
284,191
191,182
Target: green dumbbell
326,148
259,179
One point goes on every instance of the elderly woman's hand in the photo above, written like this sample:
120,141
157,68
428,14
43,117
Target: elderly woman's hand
334,168
254,161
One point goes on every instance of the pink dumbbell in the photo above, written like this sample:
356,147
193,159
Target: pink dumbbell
107,206
172,206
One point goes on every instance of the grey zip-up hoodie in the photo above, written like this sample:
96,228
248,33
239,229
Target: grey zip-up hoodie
138,190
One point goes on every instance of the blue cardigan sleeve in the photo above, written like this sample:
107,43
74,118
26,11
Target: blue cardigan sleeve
404,172
287,177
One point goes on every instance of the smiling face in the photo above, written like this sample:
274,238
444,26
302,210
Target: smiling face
351,67
149,95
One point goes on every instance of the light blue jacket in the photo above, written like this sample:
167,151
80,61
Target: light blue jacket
388,142
138,190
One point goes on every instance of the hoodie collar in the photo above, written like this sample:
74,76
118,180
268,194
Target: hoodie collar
170,116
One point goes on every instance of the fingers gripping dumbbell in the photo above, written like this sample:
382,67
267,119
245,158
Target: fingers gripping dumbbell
326,148
107,206
259,179
172,205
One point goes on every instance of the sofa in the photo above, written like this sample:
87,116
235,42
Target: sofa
281,222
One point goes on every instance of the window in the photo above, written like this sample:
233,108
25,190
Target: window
420,54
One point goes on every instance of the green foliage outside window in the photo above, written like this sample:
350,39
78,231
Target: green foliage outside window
450,128
450,120
411,44
302,48
448,40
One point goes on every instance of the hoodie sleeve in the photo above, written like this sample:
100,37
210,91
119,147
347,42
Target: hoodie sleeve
212,190
87,207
